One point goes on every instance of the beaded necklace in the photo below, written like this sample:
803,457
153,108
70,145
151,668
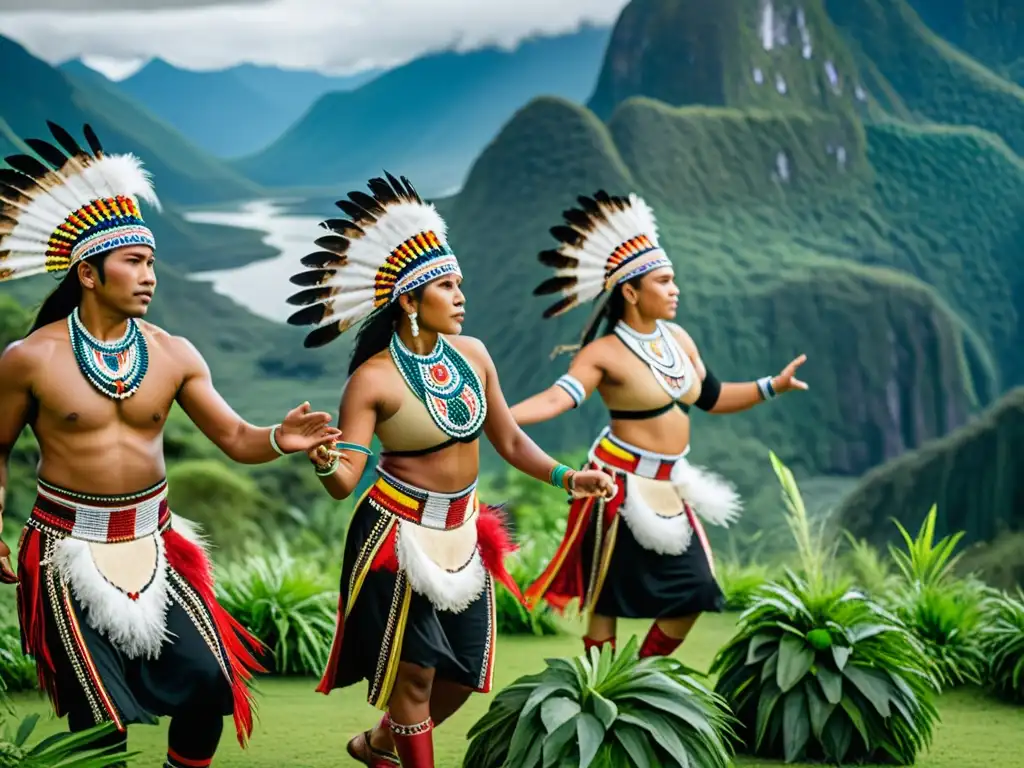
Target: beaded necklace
662,354
115,368
446,383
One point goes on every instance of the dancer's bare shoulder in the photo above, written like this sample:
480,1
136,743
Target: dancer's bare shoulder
474,350
24,358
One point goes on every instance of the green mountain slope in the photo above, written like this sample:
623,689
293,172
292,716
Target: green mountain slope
182,172
428,119
972,474
768,270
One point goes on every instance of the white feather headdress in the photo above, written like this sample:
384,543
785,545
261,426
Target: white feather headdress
393,244
607,241
84,203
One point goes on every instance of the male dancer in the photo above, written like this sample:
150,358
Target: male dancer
115,595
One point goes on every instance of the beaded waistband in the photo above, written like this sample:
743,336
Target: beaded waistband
440,511
107,519
616,453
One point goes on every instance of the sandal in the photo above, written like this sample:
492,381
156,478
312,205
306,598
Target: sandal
370,756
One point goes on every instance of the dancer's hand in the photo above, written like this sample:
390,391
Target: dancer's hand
787,380
592,482
303,430
7,574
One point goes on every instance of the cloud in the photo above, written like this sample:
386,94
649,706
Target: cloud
327,35
130,5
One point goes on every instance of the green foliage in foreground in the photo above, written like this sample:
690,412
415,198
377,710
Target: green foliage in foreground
602,710
1002,644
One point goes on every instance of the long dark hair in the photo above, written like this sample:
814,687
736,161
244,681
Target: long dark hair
66,296
611,312
375,334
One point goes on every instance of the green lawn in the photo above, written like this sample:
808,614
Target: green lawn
302,729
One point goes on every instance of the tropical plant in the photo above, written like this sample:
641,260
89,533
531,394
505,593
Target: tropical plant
740,581
818,671
1002,643
289,604
17,671
942,611
926,562
603,710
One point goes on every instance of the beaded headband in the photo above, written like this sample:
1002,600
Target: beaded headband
80,204
392,243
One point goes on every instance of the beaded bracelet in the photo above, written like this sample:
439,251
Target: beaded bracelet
561,477
764,386
273,441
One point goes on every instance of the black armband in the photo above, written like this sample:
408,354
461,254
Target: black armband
710,389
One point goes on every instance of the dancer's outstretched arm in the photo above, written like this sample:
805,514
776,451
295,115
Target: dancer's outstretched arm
516,447
568,392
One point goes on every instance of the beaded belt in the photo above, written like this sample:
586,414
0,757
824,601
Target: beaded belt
108,519
440,511
614,452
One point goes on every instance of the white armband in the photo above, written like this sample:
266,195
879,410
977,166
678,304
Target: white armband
572,387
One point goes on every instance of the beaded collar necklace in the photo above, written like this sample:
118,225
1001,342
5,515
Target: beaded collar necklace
446,383
115,368
662,354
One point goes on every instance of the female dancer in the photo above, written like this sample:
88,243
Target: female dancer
646,568
417,615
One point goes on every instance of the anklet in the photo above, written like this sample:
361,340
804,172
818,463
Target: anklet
411,730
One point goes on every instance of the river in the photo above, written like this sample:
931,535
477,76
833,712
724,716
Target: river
263,286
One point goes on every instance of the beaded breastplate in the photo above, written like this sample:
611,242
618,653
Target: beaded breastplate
115,368
663,356
447,384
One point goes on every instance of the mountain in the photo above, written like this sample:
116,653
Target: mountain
859,219
972,474
183,173
427,119
229,112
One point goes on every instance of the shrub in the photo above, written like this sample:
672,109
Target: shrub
1002,644
868,568
525,566
224,502
603,709
818,671
740,582
289,604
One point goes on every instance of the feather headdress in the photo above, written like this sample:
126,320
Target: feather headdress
78,204
391,243
603,243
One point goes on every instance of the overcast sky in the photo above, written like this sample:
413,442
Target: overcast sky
329,35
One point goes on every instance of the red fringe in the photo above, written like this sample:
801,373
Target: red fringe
387,556
32,616
190,561
496,544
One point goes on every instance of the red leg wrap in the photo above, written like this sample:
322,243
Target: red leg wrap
589,642
415,744
657,643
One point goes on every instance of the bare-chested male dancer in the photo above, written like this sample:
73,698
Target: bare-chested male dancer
115,595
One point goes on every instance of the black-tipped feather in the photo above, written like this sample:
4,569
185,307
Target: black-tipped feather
383,191
560,306
48,152
588,204
602,197
335,243
322,336
369,204
65,140
396,185
13,195
357,212
557,259
16,180
27,165
312,277
323,259
579,219
554,285
93,140
311,296
310,315
567,235
413,194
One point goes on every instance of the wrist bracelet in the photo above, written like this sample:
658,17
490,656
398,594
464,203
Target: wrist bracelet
329,470
561,476
764,386
273,441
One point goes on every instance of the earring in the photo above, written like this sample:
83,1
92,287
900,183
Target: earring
414,324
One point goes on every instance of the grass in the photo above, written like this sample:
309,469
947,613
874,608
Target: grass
303,729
